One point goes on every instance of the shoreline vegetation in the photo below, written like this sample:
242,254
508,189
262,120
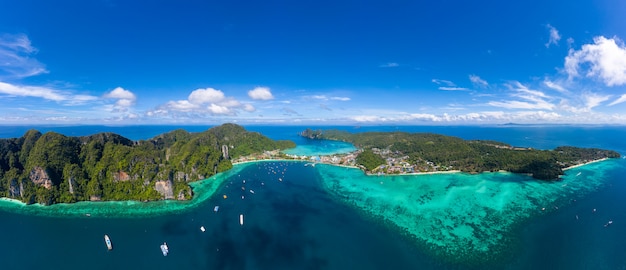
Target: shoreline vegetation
52,168
423,153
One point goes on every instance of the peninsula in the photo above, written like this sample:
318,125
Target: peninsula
53,168
402,153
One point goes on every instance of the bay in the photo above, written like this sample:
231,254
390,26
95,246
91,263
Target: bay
298,222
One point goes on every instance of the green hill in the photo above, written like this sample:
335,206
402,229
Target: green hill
53,168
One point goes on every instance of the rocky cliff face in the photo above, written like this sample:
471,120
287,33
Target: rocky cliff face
121,176
14,188
39,176
165,188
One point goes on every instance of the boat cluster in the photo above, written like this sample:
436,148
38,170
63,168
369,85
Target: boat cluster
271,171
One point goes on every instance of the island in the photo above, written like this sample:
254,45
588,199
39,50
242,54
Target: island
404,153
53,168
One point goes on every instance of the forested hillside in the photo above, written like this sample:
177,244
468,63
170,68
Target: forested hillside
425,151
53,168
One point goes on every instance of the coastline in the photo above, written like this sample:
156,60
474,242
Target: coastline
203,190
585,163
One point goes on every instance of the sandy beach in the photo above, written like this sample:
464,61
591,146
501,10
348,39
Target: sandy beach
583,164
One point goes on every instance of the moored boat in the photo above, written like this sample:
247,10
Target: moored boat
107,241
241,219
164,249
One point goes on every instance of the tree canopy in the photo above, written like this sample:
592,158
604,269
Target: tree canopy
107,166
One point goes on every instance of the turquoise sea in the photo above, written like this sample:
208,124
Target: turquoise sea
298,216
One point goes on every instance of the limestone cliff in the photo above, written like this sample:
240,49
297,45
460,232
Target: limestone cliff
40,177
165,189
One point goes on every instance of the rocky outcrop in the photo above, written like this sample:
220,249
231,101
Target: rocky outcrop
71,182
40,177
181,195
15,188
121,176
165,188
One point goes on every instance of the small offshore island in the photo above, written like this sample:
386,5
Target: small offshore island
52,168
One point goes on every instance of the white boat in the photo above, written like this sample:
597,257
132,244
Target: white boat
252,191
165,249
202,228
216,208
241,219
579,173
107,241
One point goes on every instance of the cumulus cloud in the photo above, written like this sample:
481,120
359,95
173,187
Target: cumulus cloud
15,57
554,36
125,98
389,65
476,80
203,101
260,93
206,95
604,60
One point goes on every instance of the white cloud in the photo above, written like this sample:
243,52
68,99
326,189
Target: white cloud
64,97
324,97
444,82
389,65
180,105
248,108
217,109
445,88
475,117
619,100
554,86
593,100
530,99
554,36
202,102
32,91
125,98
260,93
476,80
15,57
206,95
604,60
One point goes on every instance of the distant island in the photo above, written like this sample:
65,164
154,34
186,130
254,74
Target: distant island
52,168
403,153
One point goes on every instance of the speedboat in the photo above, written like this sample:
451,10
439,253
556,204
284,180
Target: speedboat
241,219
202,228
165,249
107,241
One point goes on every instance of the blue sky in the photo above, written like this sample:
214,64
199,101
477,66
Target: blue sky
312,62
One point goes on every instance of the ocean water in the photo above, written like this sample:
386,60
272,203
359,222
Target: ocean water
326,217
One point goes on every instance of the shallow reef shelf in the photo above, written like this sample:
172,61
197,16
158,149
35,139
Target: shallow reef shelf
203,190
462,217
